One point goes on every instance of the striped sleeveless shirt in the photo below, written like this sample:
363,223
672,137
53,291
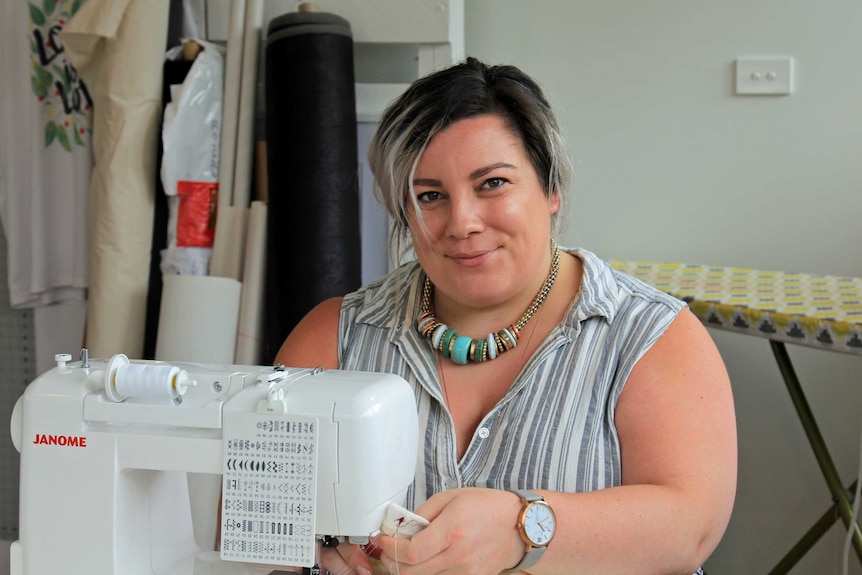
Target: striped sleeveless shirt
554,428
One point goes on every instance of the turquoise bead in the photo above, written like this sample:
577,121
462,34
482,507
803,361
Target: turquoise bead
460,349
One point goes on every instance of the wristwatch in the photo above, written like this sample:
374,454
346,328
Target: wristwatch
536,525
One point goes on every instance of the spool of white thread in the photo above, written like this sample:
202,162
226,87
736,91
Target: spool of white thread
124,379
136,380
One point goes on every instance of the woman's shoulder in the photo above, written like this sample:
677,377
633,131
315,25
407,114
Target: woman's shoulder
313,341
635,311
376,301
603,282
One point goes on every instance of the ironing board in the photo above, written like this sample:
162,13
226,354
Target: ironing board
818,311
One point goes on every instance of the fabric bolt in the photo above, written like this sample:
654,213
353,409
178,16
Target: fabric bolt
45,156
118,48
314,250
554,428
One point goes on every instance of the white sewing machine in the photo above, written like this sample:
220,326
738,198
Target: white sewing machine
132,468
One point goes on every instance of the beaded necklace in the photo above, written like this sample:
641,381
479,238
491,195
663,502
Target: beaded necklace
461,349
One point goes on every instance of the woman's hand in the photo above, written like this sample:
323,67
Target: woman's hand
345,559
472,532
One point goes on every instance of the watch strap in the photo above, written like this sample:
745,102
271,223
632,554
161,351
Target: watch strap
527,495
531,554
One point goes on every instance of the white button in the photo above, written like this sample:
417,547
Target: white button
61,359
484,432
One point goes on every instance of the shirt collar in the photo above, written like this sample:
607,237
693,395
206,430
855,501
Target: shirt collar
597,296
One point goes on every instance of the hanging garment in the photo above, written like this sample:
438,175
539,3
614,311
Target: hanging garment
45,155
118,48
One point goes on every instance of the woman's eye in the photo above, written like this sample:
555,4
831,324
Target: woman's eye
493,183
427,197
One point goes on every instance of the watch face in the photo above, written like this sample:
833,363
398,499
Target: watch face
539,523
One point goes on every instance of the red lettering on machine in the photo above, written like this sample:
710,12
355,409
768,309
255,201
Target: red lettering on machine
64,440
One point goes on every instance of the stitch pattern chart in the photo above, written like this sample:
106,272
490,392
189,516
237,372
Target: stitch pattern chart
269,479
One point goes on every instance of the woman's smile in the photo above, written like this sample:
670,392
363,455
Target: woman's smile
473,258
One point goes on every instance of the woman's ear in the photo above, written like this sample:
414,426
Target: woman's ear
554,202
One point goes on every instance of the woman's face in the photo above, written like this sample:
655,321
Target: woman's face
485,236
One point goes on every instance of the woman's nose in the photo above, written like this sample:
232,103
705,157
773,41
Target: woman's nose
464,217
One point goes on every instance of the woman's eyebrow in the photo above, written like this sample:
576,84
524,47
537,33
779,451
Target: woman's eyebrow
429,182
475,174
487,169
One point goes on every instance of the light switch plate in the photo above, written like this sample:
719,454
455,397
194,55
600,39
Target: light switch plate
764,76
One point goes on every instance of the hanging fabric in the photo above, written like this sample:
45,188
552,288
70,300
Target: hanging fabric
118,48
45,155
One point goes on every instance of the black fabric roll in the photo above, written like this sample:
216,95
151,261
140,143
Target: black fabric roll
313,239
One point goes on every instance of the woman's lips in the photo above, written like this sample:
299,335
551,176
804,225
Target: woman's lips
471,259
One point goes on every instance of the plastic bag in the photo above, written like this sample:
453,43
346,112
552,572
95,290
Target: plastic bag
190,137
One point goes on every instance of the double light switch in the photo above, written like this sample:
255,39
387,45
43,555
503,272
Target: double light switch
764,76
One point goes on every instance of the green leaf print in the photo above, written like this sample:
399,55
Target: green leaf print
44,76
41,82
48,6
63,138
38,89
61,74
78,139
50,133
75,5
36,16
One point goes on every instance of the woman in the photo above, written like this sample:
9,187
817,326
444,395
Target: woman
536,369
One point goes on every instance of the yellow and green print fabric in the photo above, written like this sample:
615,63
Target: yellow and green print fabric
808,309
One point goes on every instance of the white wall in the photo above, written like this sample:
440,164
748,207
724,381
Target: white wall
672,166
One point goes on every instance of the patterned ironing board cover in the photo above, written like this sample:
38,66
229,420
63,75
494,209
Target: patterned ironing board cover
814,310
